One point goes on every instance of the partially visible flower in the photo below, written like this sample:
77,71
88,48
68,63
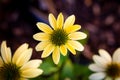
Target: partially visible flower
19,67
105,67
59,38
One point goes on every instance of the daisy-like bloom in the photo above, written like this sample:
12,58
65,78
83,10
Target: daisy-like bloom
19,67
105,66
59,37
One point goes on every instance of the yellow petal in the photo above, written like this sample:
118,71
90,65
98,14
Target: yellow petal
69,21
1,62
56,55
60,21
76,45
116,55
5,52
72,28
41,36
24,57
31,64
70,48
9,54
63,50
44,27
48,50
52,21
31,73
40,46
18,52
77,35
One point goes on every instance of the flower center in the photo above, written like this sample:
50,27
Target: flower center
113,70
9,72
59,37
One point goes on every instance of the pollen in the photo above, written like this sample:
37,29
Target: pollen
9,72
59,37
113,70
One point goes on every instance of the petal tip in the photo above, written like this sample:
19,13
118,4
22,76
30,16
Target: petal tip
50,15
37,23
56,62
3,43
61,14
85,35
43,56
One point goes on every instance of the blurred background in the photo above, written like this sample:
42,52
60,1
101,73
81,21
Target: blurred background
100,19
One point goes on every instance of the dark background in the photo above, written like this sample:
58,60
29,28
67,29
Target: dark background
100,18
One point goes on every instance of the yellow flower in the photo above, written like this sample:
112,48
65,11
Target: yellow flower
105,66
19,67
59,38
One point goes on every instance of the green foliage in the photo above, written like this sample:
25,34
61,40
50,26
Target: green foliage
81,72
65,70
48,66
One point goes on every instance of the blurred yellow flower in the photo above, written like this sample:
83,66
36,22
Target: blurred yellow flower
59,38
106,68
19,67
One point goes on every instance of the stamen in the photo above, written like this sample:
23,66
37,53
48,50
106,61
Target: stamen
113,70
59,37
9,72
